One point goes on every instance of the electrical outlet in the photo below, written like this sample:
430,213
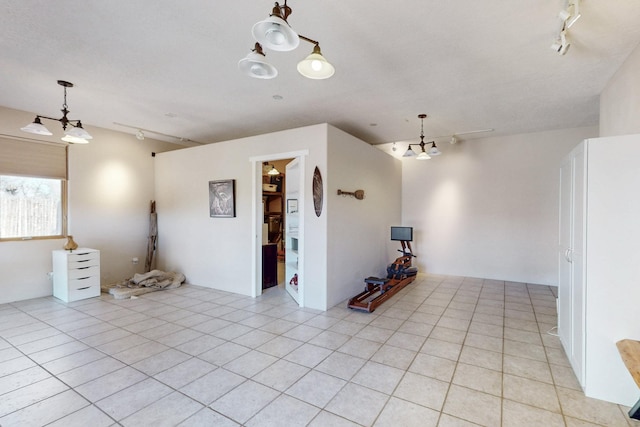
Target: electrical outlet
134,260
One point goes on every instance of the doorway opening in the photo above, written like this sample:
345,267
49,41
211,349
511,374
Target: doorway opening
274,182
278,219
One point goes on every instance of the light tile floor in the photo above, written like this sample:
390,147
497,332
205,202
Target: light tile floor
445,351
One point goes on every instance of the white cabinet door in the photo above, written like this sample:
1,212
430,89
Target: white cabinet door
293,236
565,314
571,259
576,256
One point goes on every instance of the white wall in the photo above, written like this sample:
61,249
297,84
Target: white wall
489,207
314,230
348,242
359,230
620,100
217,252
110,186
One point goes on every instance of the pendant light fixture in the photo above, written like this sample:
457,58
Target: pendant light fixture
273,171
269,169
276,34
74,135
423,155
433,151
315,66
254,65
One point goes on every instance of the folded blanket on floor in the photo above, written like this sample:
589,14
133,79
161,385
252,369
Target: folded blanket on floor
155,280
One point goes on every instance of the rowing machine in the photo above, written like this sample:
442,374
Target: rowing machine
399,274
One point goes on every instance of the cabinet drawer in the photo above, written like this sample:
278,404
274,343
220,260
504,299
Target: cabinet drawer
83,259
84,288
83,282
83,272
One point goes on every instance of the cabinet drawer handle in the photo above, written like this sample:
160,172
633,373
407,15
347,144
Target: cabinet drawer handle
84,278
81,289
83,268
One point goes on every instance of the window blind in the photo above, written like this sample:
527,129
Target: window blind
26,157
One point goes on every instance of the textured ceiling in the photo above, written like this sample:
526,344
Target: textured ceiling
171,66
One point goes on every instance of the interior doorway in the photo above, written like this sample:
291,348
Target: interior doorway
274,182
275,212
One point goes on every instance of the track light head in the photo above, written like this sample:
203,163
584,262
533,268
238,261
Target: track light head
564,44
568,16
564,15
574,13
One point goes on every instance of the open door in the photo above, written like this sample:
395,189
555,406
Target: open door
293,215
293,243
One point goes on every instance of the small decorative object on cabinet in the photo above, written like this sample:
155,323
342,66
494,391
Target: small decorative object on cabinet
70,245
76,275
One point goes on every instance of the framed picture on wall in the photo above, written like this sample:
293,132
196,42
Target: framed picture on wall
292,205
222,198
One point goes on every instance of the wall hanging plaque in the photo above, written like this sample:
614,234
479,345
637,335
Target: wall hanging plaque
317,191
222,194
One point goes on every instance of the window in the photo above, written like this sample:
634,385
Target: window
33,178
30,207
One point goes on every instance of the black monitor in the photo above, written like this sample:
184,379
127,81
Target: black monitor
402,233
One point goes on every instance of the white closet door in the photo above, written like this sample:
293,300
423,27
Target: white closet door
293,238
564,246
577,356
571,284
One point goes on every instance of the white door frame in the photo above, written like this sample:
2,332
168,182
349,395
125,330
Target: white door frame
257,216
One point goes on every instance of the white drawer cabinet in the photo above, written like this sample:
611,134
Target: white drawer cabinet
76,274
